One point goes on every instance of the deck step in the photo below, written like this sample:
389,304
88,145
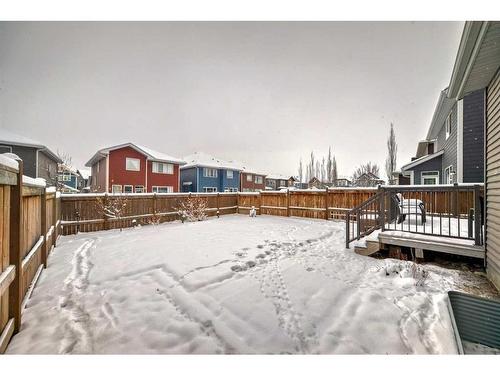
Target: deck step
371,247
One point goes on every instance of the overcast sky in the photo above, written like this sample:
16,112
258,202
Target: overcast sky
265,94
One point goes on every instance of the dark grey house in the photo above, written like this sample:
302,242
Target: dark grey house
38,160
453,150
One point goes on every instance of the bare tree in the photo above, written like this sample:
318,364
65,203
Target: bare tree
112,207
365,168
301,172
333,173
66,158
329,165
323,170
392,149
193,208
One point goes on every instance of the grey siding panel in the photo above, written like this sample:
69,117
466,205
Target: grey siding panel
28,155
473,137
448,145
431,165
492,182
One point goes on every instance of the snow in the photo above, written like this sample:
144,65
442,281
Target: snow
9,162
17,139
236,284
160,155
201,159
38,182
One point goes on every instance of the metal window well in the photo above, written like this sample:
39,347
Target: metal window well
476,322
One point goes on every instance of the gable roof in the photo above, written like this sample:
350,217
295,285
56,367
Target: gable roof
421,160
443,107
149,153
15,139
201,159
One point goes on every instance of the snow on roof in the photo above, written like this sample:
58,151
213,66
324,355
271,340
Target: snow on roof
277,177
200,159
8,161
8,137
17,139
150,154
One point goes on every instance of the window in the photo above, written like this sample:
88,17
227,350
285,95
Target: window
132,164
282,183
448,126
128,189
116,189
163,189
65,177
139,189
209,172
209,189
230,190
229,174
5,149
249,178
258,179
448,175
430,178
164,168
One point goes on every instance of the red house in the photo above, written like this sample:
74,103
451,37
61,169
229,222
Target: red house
251,181
132,168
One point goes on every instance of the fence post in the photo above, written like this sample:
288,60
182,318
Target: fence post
15,240
347,228
43,224
54,219
381,214
456,211
327,216
154,204
105,216
287,202
260,203
477,215
237,202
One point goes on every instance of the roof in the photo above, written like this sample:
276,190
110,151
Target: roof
478,58
277,177
200,159
421,160
443,107
369,175
10,138
149,153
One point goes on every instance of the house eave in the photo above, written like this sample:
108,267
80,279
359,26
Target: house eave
443,108
421,160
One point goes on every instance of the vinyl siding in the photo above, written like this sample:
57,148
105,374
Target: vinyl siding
189,175
448,145
28,155
429,166
473,137
493,181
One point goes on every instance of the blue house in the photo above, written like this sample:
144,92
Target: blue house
205,173
68,179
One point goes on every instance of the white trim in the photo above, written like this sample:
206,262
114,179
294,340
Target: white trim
113,188
131,186
133,162
412,177
460,141
205,172
36,161
209,187
447,181
421,160
167,187
136,186
447,126
422,177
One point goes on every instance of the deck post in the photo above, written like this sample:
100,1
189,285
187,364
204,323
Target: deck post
477,215
287,202
381,207
54,221
347,228
15,241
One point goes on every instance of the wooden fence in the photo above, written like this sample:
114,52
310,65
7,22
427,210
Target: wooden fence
29,226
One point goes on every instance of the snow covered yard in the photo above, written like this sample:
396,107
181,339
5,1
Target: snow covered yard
234,285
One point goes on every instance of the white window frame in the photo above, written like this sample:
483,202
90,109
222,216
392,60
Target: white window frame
131,189
229,174
209,189
448,177
65,176
249,178
448,126
169,189
113,187
230,190
259,180
210,172
139,187
132,160
435,176
282,183
162,168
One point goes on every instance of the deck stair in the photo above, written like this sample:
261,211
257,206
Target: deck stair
371,246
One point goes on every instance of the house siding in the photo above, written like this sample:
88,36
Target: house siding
492,236
473,136
47,168
119,175
27,154
251,186
160,179
98,179
189,175
225,182
448,145
431,165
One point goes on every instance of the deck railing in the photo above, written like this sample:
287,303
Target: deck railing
454,211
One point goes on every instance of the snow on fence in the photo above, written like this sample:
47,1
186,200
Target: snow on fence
28,232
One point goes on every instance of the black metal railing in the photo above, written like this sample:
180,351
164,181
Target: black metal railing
454,211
